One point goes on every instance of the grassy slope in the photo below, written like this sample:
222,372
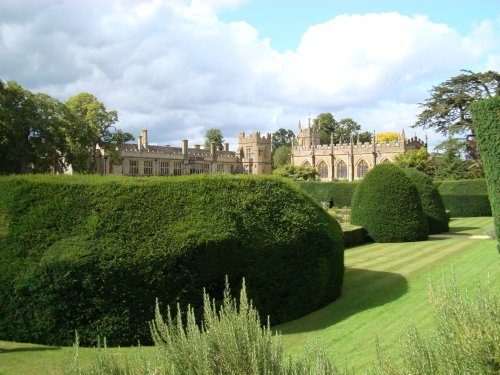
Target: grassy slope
385,286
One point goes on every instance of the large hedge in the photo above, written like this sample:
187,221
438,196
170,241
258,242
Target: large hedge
432,203
92,253
465,198
486,122
386,203
340,192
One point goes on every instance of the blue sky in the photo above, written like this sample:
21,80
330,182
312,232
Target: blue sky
181,67
284,22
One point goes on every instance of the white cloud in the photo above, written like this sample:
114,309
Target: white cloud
173,67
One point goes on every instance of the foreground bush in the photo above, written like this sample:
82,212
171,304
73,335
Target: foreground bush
465,198
466,338
93,253
387,204
432,203
486,122
229,340
340,192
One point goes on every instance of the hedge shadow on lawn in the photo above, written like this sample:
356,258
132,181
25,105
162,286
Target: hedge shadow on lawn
363,290
28,349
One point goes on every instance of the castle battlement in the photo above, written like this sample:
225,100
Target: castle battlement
254,137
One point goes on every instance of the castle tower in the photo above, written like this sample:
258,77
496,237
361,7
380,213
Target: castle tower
308,137
255,153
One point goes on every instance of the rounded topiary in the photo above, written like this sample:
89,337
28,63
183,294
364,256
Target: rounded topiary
431,200
386,203
92,254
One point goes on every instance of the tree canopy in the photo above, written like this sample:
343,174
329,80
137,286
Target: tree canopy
280,138
447,109
214,135
41,134
94,126
341,130
282,156
415,158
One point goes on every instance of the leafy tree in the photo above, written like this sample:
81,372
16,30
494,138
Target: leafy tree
342,130
415,158
214,135
346,127
387,137
93,126
326,124
447,109
281,137
282,156
365,137
449,162
296,172
32,130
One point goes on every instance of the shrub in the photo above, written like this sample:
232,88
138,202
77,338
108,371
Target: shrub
465,198
296,172
340,192
432,203
93,253
229,340
486,122
386,203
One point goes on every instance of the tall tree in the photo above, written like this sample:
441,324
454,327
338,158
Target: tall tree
214,135
447,109
346,128
415,158
365,137
282,156
326,124
93,125
449,161
281,137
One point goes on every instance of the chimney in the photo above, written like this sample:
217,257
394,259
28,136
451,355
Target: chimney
213,148
198,147
144,136
185,146
139,142
226,147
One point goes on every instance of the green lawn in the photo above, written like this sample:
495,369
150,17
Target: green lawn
385,286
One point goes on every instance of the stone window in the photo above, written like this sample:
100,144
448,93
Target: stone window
249,153
133,167
220,168
306,164
323,170
200,168
177,168
342,170
362,168
148,167
164,168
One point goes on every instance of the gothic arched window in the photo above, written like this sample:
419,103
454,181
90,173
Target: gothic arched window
362,168
306,164
323,170
341,170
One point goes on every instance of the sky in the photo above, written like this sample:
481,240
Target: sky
181,67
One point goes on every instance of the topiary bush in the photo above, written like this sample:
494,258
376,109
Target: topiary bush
486,122
465,198
386,203
92,253
432,203
339,191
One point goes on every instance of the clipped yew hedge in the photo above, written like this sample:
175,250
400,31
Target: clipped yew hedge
431,200
340,192
92,253
387,204
486,123
465,198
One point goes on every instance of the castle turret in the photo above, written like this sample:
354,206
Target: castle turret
255,153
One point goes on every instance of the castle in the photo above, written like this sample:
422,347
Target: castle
347,161
142,159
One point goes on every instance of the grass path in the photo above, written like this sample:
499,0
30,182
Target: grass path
385,286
